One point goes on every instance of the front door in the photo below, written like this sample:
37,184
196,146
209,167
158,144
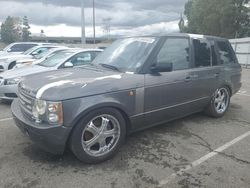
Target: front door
169,95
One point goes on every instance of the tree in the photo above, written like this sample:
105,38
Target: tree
9,30
25,31
225,18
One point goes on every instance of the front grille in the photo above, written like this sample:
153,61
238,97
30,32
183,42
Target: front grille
26,103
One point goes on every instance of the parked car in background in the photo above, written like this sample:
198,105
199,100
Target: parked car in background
9,61
63,59
39,58
18,47
136,83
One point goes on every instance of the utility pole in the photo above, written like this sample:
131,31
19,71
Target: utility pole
94,19
83,24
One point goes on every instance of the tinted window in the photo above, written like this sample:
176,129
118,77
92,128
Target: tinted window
202,53
225,52
21,47
175,51
214,55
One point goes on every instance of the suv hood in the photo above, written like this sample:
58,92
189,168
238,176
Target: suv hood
24,71
78,82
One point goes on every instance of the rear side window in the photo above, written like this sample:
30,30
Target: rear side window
202,53
225,52
175,51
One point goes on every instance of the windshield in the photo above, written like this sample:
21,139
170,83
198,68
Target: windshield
7,47
56,58
27,52
44,53
127,54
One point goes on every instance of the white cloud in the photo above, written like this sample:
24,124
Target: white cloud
69,31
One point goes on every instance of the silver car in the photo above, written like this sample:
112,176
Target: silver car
62,59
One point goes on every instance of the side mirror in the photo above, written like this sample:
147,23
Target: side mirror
68,65
9,50
162,67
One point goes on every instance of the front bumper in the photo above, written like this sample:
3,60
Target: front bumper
50,138
8,92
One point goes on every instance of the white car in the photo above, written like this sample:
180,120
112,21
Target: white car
18,47
64,59
8,61
38,58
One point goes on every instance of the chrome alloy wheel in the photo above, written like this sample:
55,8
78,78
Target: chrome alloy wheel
221,100
101,135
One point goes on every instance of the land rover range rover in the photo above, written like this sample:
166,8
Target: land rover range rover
136,83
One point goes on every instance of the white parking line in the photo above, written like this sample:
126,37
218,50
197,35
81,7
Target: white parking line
5,119
202,159
242,94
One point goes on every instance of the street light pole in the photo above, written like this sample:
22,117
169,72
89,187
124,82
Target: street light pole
94,19
83,23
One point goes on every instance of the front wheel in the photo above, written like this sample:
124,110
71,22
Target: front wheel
219,103
98,136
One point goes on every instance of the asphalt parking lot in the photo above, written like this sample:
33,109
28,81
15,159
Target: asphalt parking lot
196,151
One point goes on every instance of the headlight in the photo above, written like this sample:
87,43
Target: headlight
12,81
48,111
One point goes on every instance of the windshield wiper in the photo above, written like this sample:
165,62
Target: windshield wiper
110,67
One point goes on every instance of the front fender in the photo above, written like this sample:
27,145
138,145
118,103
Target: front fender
75,109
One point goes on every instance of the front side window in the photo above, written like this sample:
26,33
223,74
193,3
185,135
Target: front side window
81,59
175,51
128,54
225,52
202,53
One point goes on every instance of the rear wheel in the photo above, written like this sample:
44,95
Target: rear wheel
98,136
219,103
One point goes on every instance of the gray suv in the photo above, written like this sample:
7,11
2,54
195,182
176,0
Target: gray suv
134,84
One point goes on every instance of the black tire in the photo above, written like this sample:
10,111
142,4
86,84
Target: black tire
12,65
211,109
76,136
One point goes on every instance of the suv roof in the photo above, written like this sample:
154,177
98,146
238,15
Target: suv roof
183,35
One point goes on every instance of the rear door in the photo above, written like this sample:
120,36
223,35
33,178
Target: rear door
228,63
204,76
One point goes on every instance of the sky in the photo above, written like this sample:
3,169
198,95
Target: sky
127,17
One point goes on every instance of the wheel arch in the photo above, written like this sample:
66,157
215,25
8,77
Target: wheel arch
85,112
11,63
